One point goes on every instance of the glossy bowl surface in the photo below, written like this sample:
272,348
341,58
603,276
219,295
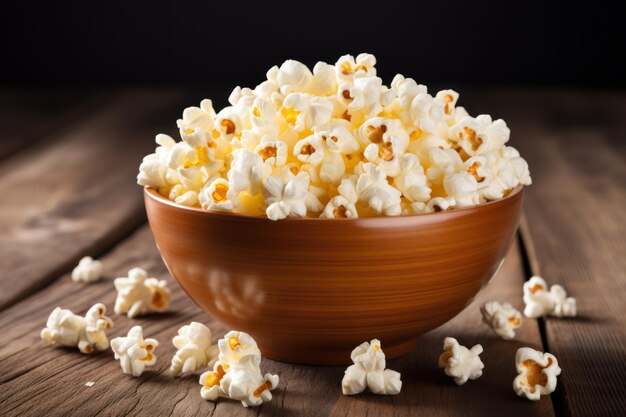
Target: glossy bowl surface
310,290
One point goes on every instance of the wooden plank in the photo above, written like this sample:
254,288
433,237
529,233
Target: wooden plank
29,115
75,192
574,144
35,378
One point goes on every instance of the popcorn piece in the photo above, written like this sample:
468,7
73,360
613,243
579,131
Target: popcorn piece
541,302
134,352
302,111
564,306
412,181
68,329
459,362
292,76
290,197
369,371
87,270
386,142
347,68
237,373
502,318
340,208
195,350
273,152
366,96
198,117
537,373
90,383
373,189
247,171
218,196
137,294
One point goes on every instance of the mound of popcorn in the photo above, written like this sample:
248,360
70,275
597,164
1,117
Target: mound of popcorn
334,142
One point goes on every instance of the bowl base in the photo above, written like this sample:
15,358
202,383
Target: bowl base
325,356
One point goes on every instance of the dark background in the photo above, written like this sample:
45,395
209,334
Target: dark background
229,43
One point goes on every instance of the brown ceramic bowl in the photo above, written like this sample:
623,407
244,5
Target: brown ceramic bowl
310,290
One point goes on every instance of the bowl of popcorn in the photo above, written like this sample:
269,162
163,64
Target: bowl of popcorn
323,208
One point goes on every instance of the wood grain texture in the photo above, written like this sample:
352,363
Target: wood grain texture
36,378
30,115
74,192
576,229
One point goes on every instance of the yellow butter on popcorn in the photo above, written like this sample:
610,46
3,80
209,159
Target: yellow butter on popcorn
137,294
87,270
237,372
368,371
134,352
459,362
335,123
537,373
88,333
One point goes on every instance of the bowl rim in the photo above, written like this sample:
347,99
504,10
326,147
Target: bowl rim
154,195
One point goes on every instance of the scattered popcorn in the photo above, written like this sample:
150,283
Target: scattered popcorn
87,333
195,350
237,372
537,373
459,362
87,270
369,371
502,318
407,151
542,302
137,294
134,352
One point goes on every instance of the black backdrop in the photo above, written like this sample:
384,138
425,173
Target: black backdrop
232,42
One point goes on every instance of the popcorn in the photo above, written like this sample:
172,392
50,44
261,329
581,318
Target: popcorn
289,197
541,302
481,134
87,270
502,318
218,196
459,362
292,76
273,152
237,373
412,181
373,189
366,96
87,333
137,294
302,111
195,350
340,208
134,352
537,373
327,123
347,68
198,117
369,371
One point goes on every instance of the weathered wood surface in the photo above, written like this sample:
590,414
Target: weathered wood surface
74,191
62,201
35,376
576,232
29,116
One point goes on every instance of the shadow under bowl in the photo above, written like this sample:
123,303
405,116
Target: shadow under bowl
310,290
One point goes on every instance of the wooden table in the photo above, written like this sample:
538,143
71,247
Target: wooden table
68,161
